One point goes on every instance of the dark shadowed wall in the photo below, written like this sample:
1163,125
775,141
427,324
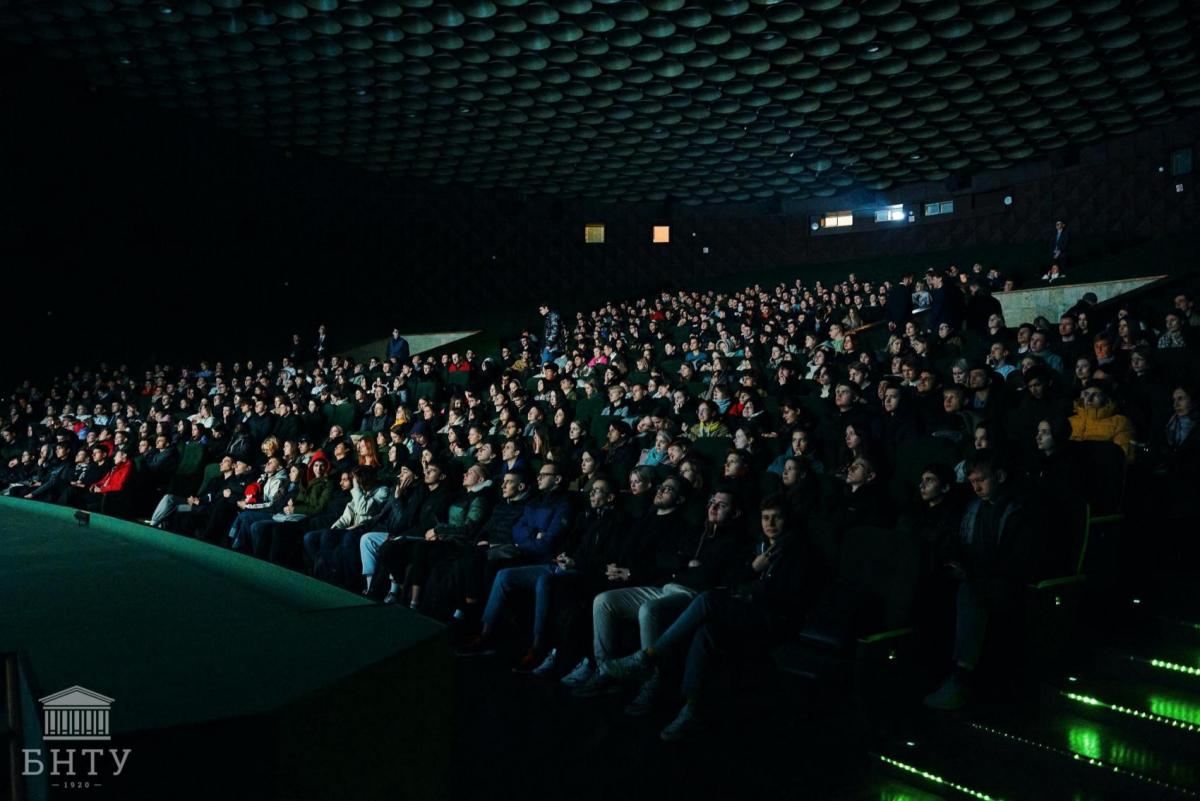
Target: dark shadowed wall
131,232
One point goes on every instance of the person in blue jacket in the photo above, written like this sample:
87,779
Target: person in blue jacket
397,348
538,536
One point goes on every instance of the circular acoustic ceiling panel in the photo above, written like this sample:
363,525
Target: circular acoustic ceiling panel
635,100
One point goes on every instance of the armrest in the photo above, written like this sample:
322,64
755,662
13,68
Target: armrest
821,639
893,634
1047,584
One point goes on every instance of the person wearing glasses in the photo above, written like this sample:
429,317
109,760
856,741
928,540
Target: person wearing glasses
773,588
538,536
600,535
696,561
663,523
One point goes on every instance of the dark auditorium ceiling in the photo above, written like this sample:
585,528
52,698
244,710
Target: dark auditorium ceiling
699,101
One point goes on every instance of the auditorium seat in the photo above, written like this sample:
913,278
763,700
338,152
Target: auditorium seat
187,475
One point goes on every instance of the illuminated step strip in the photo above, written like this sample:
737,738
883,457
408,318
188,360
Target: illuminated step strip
1163,664
1088,700
933,777
1096,763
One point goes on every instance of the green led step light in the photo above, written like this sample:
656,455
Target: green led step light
1163,664
1088,700
933,777
1088,742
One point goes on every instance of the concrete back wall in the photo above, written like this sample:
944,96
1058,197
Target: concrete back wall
1025,305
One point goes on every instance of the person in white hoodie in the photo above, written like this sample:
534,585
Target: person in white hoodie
334,551
273,486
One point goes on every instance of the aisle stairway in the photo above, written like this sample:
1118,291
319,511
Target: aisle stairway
1121,722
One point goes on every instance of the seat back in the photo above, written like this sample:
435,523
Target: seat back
637,377
912,456
599,426
587,409
344,415
882,566
712,451
191,461
210,471
820,408
874,583
187,474
1104,468
1065,534
670,367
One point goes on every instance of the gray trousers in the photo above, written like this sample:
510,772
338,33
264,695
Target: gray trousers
654,608
169,505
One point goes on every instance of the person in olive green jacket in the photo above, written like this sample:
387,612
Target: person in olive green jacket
270,538
467,513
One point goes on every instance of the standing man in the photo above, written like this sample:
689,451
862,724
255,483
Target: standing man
899,303
321,346
553,335
1061,246
397,348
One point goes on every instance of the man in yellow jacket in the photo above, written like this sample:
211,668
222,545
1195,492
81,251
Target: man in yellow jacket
1096,419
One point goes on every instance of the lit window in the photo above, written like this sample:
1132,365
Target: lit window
890,214
1181,161
662,233
593,233
943,207
837,219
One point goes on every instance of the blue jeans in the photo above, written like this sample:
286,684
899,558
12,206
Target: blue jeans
679,634
716,625
323,547
239,532
970,626
538,578
276,541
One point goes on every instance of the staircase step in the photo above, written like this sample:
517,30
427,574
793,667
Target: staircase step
1174,665
1155,616
1156,714
1157,764
977,762
890,789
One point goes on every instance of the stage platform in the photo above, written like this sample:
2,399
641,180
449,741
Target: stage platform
227,675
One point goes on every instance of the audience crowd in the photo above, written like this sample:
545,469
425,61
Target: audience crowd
645,492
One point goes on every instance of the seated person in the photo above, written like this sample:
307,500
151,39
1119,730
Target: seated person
1096,419
600,533
990,561
115,480
327,548
773,590
170,504
695,562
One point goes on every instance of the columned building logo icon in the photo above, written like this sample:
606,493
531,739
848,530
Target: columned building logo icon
76,713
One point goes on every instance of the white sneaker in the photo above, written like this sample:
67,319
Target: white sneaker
581,674
647,697
547,667
685,725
